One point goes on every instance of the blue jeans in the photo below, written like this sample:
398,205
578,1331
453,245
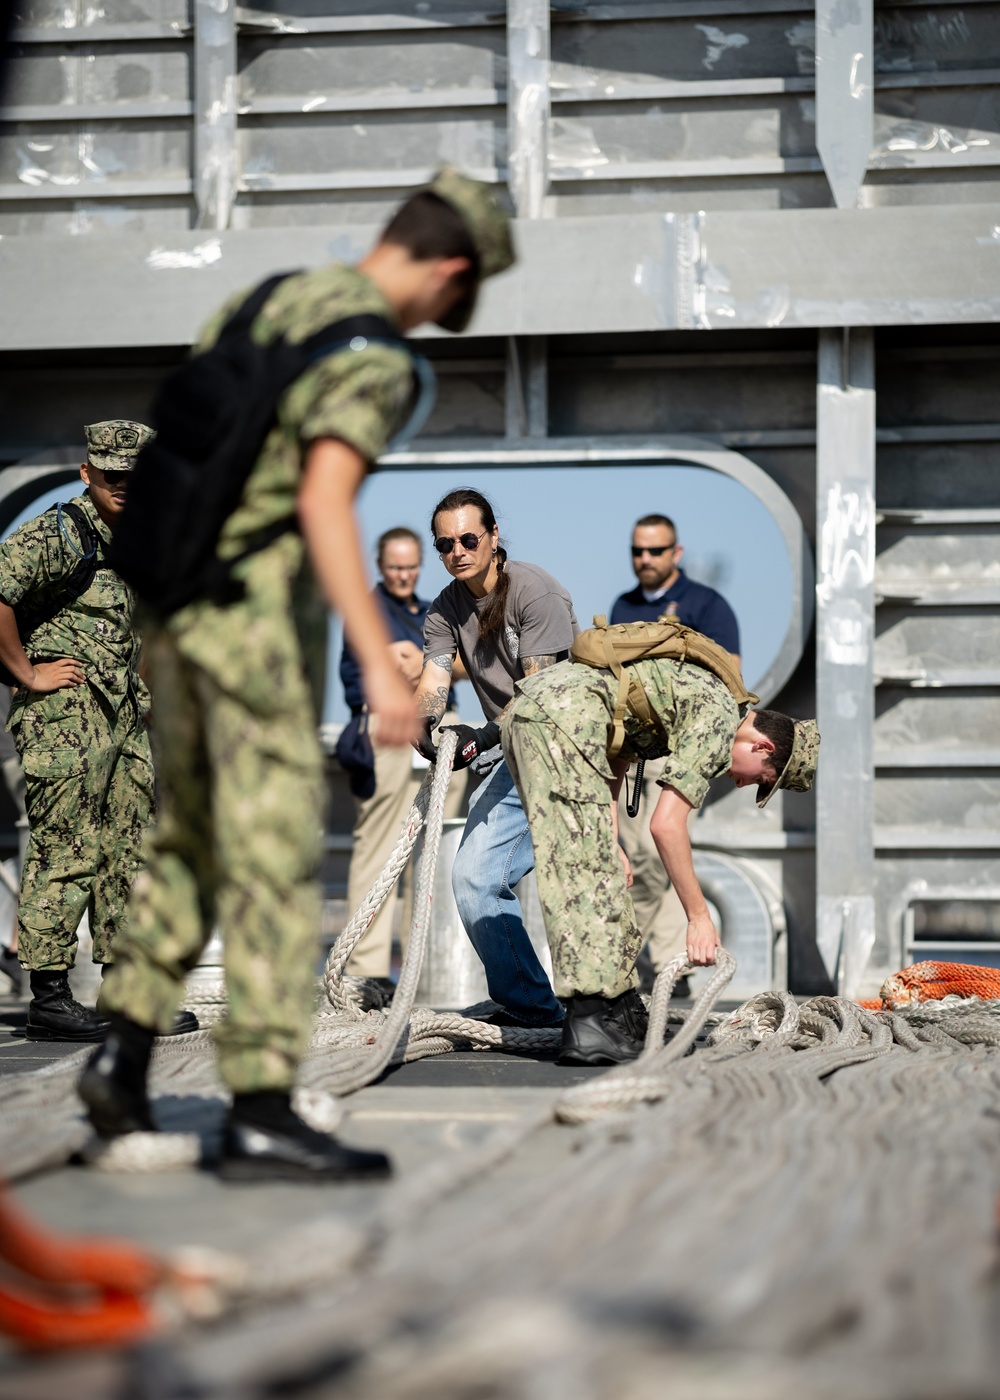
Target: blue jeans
494,855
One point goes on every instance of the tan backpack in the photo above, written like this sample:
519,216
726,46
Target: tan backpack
612,648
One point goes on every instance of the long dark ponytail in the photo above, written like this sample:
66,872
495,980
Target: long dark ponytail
492,616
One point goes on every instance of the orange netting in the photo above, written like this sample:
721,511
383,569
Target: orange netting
930,981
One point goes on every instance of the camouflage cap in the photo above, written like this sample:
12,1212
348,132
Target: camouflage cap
799,773
114,445
488,226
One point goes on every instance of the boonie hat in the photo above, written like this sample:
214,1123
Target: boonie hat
799,773
489,228
113,446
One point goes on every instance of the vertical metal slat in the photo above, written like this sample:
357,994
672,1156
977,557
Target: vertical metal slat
844,94
845,494
215,151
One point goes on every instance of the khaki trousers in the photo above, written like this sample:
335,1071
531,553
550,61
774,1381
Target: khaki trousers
658,910
376,829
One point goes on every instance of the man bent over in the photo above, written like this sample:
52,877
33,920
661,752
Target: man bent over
555,737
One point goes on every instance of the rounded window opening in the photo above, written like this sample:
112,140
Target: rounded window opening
576,522
740,535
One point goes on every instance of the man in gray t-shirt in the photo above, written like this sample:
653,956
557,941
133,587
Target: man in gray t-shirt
506,620
538,621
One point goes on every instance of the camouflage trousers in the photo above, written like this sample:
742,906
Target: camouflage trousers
89,799
590,924
238,840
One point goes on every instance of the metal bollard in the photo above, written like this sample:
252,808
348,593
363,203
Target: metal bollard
206,983
452,976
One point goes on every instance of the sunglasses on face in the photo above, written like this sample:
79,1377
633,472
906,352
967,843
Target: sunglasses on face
469,541
655,550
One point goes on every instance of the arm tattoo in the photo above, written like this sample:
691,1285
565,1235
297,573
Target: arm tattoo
533,664
443,663
431,704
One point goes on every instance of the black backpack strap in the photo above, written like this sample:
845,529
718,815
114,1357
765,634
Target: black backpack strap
369,328
366,326
246,313
75,582
89,538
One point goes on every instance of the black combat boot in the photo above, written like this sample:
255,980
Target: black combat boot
387,990
113,1085
603,1030
630,1011
55,1014
265,1140
184,1022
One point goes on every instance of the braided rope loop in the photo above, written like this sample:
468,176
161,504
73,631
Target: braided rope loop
361,1066
647,1078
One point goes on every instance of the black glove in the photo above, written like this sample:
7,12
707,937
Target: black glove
473,743
425,744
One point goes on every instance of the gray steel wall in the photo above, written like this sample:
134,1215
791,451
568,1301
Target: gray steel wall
715,250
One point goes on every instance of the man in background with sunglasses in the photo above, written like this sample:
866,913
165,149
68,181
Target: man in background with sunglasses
663,588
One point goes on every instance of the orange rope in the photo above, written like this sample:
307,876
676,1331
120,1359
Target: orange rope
930,981
71,1290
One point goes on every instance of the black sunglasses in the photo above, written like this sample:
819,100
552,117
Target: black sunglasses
445,545
654,549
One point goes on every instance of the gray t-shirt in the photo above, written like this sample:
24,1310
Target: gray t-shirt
538,621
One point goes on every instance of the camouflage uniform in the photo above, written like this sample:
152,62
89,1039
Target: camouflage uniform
238,691
84,749
238,757
555,737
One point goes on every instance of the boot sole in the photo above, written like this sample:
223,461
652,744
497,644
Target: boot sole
592,1057
239,1169
88,1037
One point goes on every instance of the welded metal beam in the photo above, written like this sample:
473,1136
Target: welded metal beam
215,152
766,268
845,625
527,104
528,109
844,94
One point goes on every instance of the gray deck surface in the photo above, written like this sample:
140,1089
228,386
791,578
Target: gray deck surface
418,1113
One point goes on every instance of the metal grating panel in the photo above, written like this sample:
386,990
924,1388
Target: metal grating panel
674,106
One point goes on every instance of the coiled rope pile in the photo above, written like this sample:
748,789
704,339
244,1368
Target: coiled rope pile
804,1206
